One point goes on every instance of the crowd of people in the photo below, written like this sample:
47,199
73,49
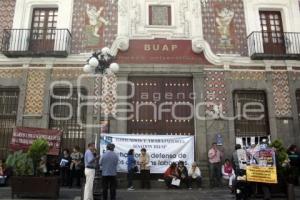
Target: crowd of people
73,167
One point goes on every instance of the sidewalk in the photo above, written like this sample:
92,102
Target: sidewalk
154,194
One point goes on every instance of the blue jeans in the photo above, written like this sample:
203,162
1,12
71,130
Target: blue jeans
130,177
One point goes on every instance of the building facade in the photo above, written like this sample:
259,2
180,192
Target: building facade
187,67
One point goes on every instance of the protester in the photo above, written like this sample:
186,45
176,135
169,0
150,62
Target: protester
89,171
131,167
64,163
239,160
251,153
76,166
194,174
3,176
170,174
144,162
214,156
182,174
228,173
109,163
294,158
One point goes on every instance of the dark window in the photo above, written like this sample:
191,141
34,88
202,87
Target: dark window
9,98
247,125
149,94
66,117
272,32
160,15
43,28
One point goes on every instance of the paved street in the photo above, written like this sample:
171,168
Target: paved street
155,194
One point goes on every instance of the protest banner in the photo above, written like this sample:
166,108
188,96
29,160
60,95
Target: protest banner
262,165
163,149
23,137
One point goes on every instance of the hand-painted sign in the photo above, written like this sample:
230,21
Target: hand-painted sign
262,166
23,137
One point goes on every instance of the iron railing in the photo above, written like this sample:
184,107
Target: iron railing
274,45
36,42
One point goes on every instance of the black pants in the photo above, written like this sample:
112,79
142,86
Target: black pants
168,181
198,181
184,181
130,177
145,179
75,174
215,174
65,176
109,182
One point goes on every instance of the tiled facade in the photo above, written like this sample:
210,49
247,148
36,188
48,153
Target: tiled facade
7,8
217,74
230,39
84,37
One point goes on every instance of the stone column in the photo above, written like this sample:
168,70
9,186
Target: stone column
117,125
200,124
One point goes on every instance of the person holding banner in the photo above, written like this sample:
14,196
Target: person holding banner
144,162
214,157
131,167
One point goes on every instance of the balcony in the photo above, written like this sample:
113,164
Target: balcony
36,42
274,45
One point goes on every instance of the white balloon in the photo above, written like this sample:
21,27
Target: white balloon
93,62
87,69
105,50
114,67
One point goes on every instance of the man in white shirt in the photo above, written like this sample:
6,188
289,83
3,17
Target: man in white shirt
194,176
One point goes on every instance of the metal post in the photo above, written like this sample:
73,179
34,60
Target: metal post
97,180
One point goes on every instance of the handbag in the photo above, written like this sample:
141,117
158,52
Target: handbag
175,182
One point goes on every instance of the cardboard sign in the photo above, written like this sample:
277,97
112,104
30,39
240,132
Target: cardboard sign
261,174
23,137
262,166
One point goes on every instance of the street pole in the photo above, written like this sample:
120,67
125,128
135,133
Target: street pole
99,63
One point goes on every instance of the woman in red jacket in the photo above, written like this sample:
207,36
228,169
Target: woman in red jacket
170,174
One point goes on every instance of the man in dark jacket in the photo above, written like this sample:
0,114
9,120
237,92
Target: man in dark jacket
109,163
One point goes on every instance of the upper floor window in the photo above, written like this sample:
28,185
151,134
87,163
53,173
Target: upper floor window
43,27
272,30
160,15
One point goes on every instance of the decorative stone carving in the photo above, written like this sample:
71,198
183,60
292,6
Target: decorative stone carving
224,20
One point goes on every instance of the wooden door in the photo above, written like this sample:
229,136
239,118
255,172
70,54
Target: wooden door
272,32
43,27
152,102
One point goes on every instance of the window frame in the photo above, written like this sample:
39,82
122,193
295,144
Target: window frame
267,120
150,12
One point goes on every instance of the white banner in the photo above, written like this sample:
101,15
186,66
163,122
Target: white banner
163,149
